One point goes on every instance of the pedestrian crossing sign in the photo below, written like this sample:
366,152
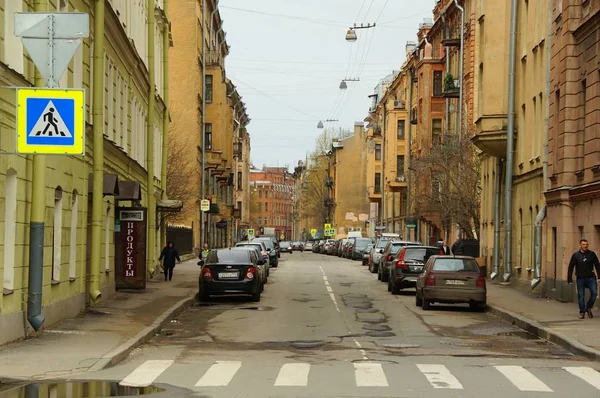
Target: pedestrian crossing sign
50,121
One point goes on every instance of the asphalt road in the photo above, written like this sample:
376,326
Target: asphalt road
325,327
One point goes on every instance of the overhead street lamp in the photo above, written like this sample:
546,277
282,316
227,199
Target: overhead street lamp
343,84
351,33
320,125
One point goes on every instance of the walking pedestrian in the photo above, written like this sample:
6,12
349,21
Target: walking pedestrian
170,254
445,248
584,261
205,251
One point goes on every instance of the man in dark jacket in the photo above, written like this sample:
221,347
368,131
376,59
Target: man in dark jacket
445,248
458,248
584,261
170,254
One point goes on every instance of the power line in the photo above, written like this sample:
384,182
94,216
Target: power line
292,17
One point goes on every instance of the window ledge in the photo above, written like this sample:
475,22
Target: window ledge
7,292
596,169
54,282
72,279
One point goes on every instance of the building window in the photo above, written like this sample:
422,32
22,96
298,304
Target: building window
266,221
10,225
437,83
436,132
239,206
377,183
56,234
73,237
266,206
209,88
208,136
400,167
259,207
240,180
401,129
377,151
266,194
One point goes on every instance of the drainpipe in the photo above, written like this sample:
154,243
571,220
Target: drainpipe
36,226
497,199
542,214
383,197
510,145
462,56
165,135
447,111
98,173
150,140
409,150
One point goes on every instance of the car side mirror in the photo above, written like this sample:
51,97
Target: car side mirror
269,250
200,263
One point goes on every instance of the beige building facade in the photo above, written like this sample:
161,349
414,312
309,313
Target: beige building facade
70,282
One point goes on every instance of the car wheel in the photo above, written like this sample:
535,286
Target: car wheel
256,297
478,306
426,304
378,276
203,296
384,277
395,289
418,300
389,285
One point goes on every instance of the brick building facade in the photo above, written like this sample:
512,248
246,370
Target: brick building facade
275,199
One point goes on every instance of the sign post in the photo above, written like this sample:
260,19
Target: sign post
51,40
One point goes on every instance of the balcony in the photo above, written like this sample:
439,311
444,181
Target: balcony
452,39
213,58
451,87
491,135
398,184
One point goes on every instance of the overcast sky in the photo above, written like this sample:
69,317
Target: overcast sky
288,58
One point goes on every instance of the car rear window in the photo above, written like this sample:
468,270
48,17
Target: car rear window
396,247
228,257
258,246
455,265
268,243
420,254
382,243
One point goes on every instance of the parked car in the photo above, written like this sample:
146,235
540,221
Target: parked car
367,254
227,271
285,247
275,242
407,267
377,251
389,255
308,245
450,280
358,248
298,246
263,250
271,249
257,257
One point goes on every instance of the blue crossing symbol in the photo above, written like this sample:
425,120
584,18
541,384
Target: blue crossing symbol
50,121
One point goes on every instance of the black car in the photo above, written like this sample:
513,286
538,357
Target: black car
285,246
408,265
226,271
273,258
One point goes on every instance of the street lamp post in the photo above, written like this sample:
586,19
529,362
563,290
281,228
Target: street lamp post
351,33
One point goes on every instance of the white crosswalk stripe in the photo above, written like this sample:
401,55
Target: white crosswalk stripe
145,374
220,374
369,374
440,377
587,374
293,374
523,379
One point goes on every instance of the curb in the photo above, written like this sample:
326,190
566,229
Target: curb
544,332
122,351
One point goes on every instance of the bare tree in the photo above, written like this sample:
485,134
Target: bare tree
446,184
315,191
328,135
181,168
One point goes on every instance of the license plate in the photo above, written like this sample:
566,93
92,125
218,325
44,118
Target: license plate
228,275
454,282
416,269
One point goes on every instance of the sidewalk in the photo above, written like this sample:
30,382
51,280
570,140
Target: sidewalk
547,318
104,335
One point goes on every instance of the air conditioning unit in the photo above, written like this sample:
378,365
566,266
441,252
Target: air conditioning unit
399,104
358,229
400,179
350,229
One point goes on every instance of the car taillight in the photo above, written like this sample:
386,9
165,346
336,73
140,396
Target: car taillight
251,273
206,274
400,262
481,281
430,280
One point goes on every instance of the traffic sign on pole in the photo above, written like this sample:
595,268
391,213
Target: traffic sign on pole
50,121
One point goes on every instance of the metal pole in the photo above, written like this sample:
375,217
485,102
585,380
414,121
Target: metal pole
203,128
150,261
408,151
382,182
510,145
393,212
38,207
497,199
98,173
165,132
462,56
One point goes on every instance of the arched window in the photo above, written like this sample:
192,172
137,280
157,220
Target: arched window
10,224
73,237
57,234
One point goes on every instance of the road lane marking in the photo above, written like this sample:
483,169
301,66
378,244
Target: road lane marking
219,374
334,302
146,373
329,289
327,283
293,375
324,278
440,377
369,374
523,379
357,343
589,375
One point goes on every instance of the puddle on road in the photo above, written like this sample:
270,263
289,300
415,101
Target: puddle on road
75,389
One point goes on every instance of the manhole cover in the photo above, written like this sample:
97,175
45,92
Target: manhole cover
81,389
305,344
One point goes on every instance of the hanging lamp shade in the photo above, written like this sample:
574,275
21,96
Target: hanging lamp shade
351,35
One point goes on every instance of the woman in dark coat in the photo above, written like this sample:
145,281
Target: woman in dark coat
170,254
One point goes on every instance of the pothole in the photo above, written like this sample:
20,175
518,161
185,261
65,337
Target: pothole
307,344
377,327
522,334
399,345
380,334
366,310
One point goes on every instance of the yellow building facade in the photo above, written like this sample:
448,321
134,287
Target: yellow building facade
69,280
221,129
491,112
